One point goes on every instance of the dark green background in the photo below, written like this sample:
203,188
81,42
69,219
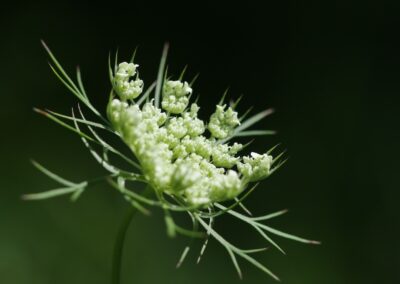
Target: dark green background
329,68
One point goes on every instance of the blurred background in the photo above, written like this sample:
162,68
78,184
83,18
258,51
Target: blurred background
329,69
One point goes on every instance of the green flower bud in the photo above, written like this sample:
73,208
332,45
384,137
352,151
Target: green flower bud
256,167
125,88
225,186
223,122
175,96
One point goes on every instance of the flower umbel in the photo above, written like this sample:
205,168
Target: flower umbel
175,156
175,96
125,88
189,164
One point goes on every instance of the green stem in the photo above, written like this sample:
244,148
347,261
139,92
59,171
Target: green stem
119,242
119,245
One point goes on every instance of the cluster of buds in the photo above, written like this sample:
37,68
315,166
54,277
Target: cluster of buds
177,154
124,86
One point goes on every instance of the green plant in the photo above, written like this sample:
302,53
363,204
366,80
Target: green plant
186,165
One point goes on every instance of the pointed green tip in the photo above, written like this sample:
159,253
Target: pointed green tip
45,46
33,162
43,43
165,50
269,111
240,276
39,111
28,197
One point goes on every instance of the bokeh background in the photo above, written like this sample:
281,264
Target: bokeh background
329,68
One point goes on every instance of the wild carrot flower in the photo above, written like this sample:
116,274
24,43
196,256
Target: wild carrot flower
188,164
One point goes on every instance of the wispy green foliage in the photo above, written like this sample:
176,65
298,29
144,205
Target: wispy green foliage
176,196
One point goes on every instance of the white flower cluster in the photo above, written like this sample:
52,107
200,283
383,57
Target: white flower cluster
175,96
126,88
223,122
255,167
175,154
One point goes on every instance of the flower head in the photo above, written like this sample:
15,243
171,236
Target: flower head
177,155
188,164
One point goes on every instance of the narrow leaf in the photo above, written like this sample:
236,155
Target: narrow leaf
147,93
77,194
110,71
255,133
235,263
234,104
243,207
254,250
188,233
50,193
270,216
52,175
253,224
80,84
116,61
183,256
221,101
59,67
245,114
238,251
287,236
259,265
106,145
133,55
182,73
87,122
267,238
273,148
194,79
76,92
137,205
160,75
254,119
63,124
203,248
241,199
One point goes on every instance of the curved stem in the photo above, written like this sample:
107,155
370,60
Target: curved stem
119,245
120,241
